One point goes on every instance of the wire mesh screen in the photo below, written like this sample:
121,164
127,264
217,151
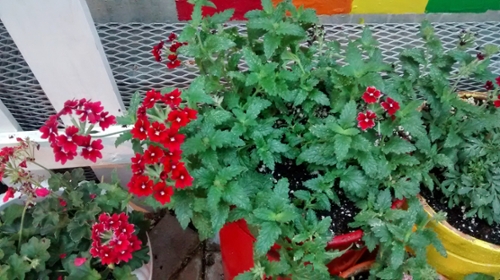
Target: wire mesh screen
19,89
128,49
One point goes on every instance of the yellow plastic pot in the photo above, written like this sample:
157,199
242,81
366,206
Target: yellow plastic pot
466,254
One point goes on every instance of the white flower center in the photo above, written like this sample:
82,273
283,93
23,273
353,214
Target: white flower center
390,105
89,149
182,177
106,255
178,119
142,129
70,138
143,186
119,242
172,139
174,166
152,154
162,193
367,120
157,133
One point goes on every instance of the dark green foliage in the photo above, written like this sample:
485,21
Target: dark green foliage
51,230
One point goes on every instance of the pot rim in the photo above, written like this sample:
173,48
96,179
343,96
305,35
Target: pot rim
493,248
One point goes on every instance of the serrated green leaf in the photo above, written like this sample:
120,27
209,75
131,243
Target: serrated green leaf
214,196
256,105
287,28
320,98
271,43
122,138
219,217
384,199
452,140
268,234
397,145
222,17
264,214
14,211
123,273
341,146
276,146
252,60
218,43
17,267
348,115
267,6
397,255
261,23
300,97
196,93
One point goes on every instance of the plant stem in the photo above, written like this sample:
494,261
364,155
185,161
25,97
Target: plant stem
22,223
112,133
39,165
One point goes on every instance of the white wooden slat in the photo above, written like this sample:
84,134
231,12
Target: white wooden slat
112,157
58,40
7,121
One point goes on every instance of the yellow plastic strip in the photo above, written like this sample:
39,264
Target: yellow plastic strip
388,6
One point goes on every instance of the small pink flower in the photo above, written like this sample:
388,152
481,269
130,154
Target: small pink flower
42,192
80,261
62,256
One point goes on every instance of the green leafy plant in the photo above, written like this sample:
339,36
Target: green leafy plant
282,92
61,231
461,153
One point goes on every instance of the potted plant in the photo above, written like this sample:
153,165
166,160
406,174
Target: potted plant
463,129
296,143
68,228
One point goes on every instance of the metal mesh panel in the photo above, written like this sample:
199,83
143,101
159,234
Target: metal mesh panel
19,89
128,49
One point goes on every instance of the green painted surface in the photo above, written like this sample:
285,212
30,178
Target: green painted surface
462,6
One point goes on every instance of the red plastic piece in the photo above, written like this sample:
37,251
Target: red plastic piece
236,244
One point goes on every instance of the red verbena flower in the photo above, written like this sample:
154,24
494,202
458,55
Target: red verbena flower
49,129
497,102
489,85
67,141
137,164
480,56
190,113
157,51
172,57
140,185
106,121
366,120
172,37
151,97
153,155
175,46
9,194
371,95
92,151
157,132
182,177
178,118
173,64
390,106
162,192
60,155
69,106
172,156
173,98
171,166
62,256
173,140
140,129
91,111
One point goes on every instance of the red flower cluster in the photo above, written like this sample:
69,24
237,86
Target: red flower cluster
371,95
65,145
496,103
173,61
163,152
113,239
489,85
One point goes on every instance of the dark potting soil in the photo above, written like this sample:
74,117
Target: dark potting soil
341,214
472,226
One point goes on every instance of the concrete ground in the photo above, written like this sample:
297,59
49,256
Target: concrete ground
179,255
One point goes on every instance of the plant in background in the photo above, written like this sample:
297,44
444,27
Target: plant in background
48,233
462,151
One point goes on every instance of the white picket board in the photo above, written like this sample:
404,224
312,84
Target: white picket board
58,40
7,121
111,156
